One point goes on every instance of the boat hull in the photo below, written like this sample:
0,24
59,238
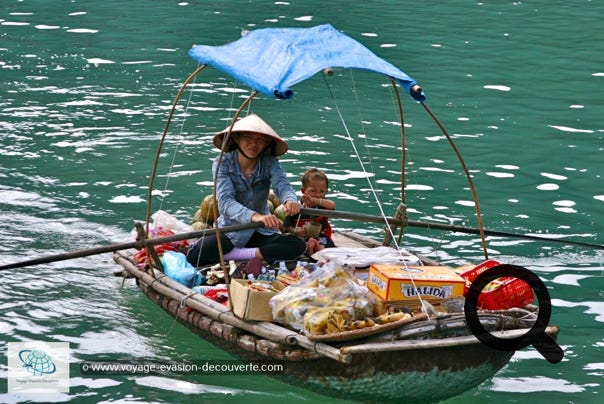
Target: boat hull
422,375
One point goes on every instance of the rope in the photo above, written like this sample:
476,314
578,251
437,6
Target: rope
182,125
155,279
182,303
356,152
361,120
192,77
163,138
372,189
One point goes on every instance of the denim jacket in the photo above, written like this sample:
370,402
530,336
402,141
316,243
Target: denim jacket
240,197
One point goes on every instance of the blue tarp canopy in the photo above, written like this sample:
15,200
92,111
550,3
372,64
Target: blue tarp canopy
272,60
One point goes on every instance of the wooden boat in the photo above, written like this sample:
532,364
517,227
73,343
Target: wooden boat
422,361
430,358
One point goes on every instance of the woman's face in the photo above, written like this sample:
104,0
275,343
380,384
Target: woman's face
252,144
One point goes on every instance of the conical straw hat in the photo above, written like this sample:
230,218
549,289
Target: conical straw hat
253,124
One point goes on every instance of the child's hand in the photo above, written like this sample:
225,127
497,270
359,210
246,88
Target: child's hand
306,199
312,246
309,201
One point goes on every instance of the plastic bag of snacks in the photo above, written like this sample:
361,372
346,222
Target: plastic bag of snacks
330,287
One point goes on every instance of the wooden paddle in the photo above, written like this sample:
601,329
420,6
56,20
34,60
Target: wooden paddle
359,217
439,226
124,246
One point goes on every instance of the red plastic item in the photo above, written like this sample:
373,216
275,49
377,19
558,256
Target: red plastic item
218,295
512,292
140,257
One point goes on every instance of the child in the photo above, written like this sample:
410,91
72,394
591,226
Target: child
314,188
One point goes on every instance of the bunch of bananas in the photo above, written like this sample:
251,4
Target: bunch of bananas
392,317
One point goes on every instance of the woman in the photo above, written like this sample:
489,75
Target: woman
248,170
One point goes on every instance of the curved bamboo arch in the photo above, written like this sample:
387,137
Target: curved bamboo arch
401,210
163,138
461,160
228,134
468,176
403,138
158,153
225,142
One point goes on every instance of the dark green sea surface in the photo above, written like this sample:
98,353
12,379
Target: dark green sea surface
85,90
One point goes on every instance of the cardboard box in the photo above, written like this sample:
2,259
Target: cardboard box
252,304
432,283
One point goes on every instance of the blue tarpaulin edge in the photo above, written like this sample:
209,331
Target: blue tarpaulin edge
273,60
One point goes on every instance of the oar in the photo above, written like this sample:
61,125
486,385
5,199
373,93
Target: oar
439,226
124,246
360,217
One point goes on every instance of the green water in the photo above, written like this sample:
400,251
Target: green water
85,88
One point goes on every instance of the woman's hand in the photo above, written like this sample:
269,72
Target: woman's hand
292,208
268,220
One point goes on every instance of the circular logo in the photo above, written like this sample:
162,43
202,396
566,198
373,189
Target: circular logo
37,362
536,335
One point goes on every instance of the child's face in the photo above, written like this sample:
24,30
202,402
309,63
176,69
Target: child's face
317,188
